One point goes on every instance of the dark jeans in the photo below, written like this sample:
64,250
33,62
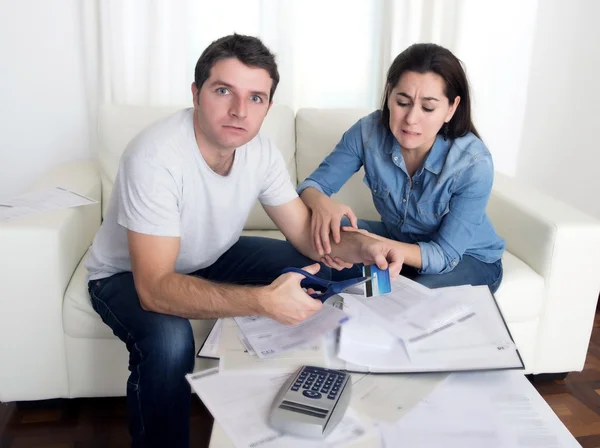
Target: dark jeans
161,347
469,271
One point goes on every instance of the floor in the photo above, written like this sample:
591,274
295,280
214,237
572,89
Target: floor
101,422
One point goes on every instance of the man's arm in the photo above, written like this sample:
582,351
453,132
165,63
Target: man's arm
162,290
293,219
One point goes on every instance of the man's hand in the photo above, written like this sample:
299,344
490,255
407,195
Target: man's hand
285,301
373,249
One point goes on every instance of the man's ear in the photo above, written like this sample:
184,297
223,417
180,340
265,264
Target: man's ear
195,93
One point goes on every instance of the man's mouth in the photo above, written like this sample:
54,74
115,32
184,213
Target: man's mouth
234,128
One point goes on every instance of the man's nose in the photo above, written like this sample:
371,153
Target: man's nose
239,109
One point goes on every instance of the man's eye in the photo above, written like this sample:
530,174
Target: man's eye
222,91
403,104
256,99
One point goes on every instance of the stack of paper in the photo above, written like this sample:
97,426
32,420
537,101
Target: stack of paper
416,329
266,337
483,409
241,403
41,201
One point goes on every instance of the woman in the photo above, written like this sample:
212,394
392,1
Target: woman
428,171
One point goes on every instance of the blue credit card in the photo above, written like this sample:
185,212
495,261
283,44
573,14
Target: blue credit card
379,284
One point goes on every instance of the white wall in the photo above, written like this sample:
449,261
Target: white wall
42,94
560,149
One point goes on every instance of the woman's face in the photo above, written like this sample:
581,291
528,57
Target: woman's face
418,109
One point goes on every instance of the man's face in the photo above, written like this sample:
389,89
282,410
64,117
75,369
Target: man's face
230,107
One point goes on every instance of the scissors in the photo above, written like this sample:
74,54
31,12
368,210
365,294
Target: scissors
327,288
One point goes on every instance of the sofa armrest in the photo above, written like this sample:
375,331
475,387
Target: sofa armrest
562,244
39,255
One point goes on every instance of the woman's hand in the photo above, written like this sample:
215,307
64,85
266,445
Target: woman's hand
375,249
326,218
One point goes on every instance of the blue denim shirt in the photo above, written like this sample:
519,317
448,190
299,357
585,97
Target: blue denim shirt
443,211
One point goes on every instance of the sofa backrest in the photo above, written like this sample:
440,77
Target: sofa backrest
118,125
317,133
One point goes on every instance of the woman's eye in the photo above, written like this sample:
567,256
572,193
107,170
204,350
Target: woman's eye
403,104
427,109
222,90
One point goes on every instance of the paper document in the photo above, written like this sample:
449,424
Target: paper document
387,398
241,404
210,348
268,337
478,343
40,201
485,409
235,357
411,310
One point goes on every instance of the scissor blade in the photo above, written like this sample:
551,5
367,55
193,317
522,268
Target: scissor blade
365,280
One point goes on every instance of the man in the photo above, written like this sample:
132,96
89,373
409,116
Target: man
170,250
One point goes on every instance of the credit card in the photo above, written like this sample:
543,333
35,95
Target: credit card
380,283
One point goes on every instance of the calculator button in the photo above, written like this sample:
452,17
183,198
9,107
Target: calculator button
331,396
306,386
295,388
311,394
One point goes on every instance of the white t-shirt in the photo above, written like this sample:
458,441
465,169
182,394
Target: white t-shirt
165,187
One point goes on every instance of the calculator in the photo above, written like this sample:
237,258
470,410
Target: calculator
311,403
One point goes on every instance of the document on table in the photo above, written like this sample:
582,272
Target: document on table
485,409
40,201
210,348
241,404
268,337
387,398
480,342
412,310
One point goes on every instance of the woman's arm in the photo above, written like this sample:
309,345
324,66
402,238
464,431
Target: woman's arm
333,172
466,213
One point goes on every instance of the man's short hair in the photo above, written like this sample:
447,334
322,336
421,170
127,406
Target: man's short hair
248,50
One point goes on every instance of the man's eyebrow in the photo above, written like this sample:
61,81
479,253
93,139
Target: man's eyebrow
427,98
218,82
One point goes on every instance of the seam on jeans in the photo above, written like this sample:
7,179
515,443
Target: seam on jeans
113,316
134,346
137,389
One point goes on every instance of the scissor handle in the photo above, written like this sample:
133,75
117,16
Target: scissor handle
309,280
329,288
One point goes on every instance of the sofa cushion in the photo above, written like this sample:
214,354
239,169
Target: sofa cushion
118,125
81,321
521,293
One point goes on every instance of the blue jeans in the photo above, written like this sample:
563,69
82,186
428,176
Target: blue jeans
469,271
161,347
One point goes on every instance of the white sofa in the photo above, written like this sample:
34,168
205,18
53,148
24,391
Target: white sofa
53,344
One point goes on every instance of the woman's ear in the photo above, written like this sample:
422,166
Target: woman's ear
452,109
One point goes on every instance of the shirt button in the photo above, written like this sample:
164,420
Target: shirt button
403,200
374,190
395,158
454,263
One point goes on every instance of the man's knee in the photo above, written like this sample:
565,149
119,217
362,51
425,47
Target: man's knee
169,346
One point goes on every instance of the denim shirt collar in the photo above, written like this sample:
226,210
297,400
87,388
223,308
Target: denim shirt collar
437,156
434,162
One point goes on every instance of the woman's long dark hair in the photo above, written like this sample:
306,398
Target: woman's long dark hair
432,58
